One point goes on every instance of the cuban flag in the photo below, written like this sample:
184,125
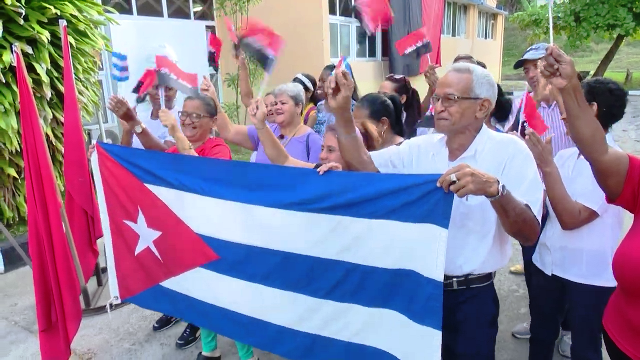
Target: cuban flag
120,65
340,266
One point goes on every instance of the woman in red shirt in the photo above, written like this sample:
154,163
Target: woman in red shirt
618,174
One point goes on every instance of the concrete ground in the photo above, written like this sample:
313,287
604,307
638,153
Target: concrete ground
126,333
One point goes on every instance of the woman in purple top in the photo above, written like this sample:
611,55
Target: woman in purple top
299,141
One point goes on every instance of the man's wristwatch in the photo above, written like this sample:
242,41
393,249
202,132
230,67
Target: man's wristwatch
502,190
138,128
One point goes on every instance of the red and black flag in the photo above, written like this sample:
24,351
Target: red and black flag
169,74
410,16
214,45
258,41
146,81
373,15
416,43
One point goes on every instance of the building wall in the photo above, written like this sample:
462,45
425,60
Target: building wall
304,24
301,23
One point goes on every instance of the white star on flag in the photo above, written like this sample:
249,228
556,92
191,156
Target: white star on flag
147,235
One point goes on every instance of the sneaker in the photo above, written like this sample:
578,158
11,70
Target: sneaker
164,322
521,331
564,346
517,269
189,337
205,357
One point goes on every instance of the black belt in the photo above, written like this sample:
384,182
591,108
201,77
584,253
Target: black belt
467,281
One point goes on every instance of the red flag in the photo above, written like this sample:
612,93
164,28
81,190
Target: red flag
215,45
374,14
532,117
169,74
146,81
432,16
80,199
261,42
415,41
55,282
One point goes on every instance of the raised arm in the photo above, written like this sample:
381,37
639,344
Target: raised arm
272,147
432,79
609,165
228,131
171,123
246,93
571,214
339,88
119,106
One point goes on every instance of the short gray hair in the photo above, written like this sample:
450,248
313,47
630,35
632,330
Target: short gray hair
292,90
482,84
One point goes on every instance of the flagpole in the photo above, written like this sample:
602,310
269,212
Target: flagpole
72,246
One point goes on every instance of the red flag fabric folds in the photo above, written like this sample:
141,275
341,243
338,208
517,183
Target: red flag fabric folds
55,282
257,40
532,118
374,14
80,199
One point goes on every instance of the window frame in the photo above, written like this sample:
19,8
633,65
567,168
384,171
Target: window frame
353,46
486,19
448,18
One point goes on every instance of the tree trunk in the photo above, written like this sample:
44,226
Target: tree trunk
608,57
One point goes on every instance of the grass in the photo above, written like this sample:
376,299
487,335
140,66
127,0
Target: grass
586,57
239,153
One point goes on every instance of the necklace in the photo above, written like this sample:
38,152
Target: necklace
284,145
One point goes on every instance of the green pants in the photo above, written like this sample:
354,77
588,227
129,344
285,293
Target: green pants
210,343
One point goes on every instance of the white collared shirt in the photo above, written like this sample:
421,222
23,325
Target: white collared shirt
477,242
583,255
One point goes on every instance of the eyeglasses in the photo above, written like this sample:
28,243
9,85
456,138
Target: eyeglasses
450,100
195,117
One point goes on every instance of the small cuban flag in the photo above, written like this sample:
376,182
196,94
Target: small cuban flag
120,67
343,63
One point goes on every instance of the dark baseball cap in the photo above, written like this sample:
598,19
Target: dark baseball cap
534,52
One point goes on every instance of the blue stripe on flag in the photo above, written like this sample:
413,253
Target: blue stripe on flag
405,198
119,78
119,56
281,340
404,291
120,68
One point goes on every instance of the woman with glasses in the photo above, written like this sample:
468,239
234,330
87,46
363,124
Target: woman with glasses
193,137
298,139
409,97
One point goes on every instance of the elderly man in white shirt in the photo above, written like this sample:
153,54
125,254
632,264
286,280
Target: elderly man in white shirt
572,265
499,194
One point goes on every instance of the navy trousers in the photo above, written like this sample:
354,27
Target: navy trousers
470,323
527,262
550,297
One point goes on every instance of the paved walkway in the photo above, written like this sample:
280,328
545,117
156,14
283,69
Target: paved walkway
126,333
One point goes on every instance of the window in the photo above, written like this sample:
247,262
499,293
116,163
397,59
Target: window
486,25
455,20
175,9
347,37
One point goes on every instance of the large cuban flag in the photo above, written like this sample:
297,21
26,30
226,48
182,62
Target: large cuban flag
340,266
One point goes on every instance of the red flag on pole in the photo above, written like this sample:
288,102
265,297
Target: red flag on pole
532,118
55,280
432,15
80,200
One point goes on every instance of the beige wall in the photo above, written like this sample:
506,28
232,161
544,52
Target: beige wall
302,23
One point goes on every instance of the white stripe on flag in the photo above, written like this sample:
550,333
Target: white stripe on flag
381,243
348,322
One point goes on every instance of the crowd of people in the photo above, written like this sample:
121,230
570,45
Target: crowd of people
559,194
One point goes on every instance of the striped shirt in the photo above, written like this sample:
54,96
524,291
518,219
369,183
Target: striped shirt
551,116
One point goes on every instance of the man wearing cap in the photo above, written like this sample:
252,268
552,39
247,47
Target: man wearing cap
552,114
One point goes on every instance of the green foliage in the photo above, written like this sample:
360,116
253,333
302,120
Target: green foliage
582,20
33,24
238,11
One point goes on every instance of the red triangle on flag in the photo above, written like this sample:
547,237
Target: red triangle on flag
150,242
